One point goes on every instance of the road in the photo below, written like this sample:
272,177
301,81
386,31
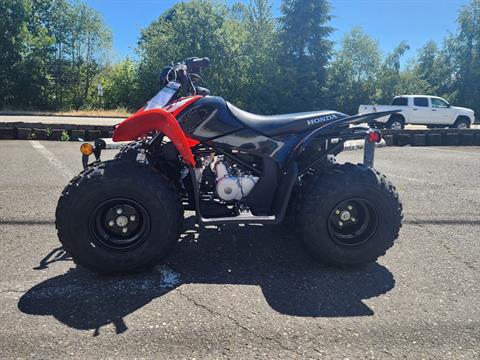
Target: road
246,292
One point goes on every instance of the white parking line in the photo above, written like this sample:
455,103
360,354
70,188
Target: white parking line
64,171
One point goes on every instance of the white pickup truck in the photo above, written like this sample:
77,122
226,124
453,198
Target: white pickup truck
426,110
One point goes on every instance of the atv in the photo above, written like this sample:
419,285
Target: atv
189,150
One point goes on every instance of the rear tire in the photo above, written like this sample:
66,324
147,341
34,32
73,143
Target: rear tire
396,123
322,167
119,216
350,216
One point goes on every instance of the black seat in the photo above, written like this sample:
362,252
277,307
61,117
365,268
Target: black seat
275,125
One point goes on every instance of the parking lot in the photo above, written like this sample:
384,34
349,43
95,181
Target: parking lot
245,292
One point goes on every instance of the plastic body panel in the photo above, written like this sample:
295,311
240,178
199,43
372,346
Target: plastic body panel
207,119
250,142
210,120
142,123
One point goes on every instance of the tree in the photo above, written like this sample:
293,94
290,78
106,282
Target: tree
50,50
259,53
464,49
25,47
86,42
54,52
304,53
389,76
354,72
12,32
195,28
120,86
410,83
431,71
427,62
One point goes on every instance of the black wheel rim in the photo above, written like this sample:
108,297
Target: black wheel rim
119,224
353,222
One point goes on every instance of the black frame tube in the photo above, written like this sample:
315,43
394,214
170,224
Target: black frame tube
236,159
322,157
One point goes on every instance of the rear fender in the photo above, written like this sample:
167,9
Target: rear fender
142,123
334,125
326,130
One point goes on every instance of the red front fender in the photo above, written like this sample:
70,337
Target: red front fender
144,122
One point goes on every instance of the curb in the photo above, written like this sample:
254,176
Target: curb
432,137
55,132
65,126
70,132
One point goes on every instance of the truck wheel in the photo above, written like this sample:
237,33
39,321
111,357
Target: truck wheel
462,123
396,123
118,216
350,216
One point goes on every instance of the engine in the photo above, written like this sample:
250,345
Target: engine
231,183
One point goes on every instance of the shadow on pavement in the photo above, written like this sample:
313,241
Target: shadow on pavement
57,254
270,257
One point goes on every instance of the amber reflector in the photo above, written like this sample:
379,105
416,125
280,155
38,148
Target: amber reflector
86,149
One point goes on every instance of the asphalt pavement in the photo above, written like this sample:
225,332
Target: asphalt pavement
246,292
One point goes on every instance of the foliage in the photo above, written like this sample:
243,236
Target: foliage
304,53
389,74
50,53
259,51
64,136
54,53
464,51
195,28
354,72
453,71
120,86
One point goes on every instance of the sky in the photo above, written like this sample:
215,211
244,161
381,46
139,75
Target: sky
387,21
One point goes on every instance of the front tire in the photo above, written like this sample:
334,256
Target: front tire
462,123
350,216
130,151
119,216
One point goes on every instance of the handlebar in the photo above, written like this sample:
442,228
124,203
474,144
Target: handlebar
186,73
195,64
180,71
